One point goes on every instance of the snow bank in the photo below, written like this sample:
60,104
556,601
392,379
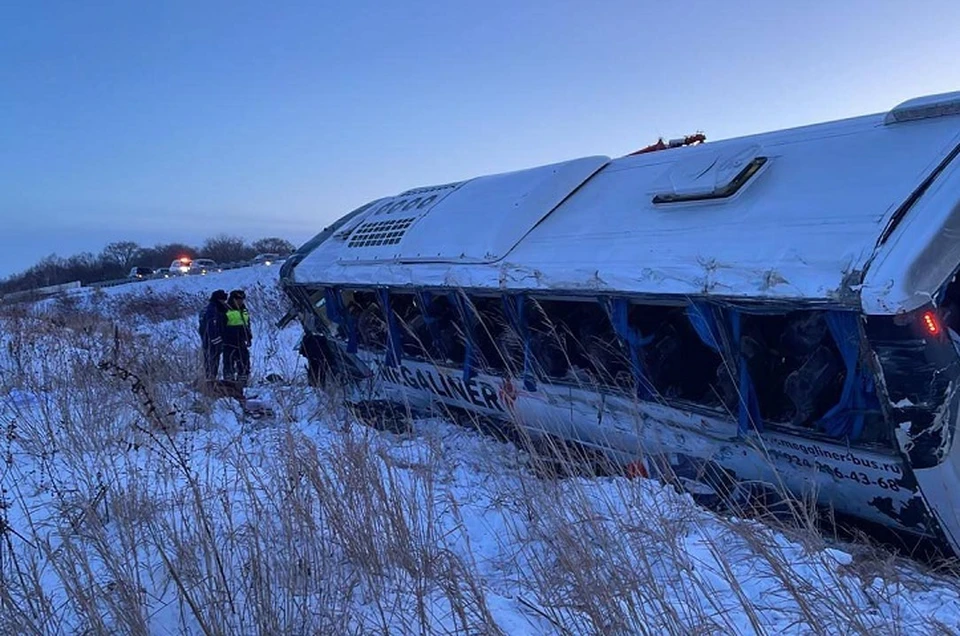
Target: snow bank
133,505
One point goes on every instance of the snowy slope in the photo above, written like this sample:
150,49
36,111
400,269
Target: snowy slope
134,506
265,302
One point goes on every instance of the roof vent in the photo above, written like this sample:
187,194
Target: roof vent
927,107
717,173
378,233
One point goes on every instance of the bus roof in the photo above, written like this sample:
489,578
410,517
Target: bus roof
792,214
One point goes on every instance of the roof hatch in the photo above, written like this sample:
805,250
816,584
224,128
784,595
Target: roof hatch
709,173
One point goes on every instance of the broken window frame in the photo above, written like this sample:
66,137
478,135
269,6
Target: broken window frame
547,317
413,345
719,327
618,313
490,323
515,310
371,308
394,353
338,315
467,313
653,320
859,394
845,420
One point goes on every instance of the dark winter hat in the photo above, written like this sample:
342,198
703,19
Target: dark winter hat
238,293
218,295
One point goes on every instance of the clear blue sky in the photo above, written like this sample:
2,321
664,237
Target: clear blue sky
178,120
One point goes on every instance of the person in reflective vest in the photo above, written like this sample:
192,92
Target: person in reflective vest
237,337
213,321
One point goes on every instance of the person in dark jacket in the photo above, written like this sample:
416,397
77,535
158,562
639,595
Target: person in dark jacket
213,321
237,338
317,349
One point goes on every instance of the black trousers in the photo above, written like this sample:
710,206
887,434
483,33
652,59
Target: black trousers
314,348
236,364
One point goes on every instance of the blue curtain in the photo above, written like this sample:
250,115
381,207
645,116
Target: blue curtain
514,307
706,320
425,298
340,316
749,416
394,348
333,303
618,309
468,320
845,419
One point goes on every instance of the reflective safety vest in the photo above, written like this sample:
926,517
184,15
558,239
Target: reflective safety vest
238,318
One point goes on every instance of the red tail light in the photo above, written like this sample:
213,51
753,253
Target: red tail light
931,323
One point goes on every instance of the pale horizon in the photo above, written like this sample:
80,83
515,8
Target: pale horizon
178,122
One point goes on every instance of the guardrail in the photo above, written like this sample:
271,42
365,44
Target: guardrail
161,275
112,283
46,292
40,293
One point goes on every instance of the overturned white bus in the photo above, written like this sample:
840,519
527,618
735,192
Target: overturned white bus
779,308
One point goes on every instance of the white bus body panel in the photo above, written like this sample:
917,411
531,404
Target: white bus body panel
855,481
471,222
921,253
805,227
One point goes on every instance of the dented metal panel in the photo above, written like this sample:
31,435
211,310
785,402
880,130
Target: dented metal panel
804,227
922,250
476,221
865,483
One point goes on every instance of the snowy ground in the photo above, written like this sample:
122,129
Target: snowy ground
131,505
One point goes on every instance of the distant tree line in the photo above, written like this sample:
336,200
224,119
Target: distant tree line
116,260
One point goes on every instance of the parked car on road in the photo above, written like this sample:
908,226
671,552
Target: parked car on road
140,273
204,266
265,259
180,266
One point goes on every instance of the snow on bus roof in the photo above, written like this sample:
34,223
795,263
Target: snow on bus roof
793,214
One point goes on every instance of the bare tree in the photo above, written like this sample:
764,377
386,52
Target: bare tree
226,249
123,254
273,245
118,257
162,255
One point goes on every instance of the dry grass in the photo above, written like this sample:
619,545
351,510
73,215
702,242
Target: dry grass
155,307
125,511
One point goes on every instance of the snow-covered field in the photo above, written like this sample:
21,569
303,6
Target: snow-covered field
133,505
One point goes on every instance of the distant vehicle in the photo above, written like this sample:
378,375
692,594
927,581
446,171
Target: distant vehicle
180,266
141,272
203,266
266,259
